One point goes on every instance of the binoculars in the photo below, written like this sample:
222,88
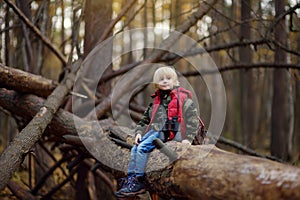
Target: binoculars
171,125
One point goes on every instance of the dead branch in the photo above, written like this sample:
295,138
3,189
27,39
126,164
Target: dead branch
198,51
242,66
15,79
244,149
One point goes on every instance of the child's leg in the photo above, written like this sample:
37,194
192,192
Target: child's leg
137,164
139,154
143,149
132,161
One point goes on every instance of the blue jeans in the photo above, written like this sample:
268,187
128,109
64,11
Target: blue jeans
139,154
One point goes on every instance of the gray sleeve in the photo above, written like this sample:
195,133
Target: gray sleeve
190,116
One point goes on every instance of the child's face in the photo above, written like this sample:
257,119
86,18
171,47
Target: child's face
166,83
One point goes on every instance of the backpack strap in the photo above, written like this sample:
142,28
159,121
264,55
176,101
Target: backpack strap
201,133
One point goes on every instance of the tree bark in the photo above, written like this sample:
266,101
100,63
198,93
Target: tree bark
97,19
202,172
247,98
279,121
15,79
224,175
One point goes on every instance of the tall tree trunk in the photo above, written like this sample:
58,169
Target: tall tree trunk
97,17
7,122
42,164
26,38
236,110
297,107
7,37
81,185
62,33
39,46
246,79
279,121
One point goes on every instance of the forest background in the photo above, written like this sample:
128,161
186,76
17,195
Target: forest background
254,44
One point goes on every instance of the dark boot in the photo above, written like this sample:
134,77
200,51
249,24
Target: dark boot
134,186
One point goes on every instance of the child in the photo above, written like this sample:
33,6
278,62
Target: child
171,116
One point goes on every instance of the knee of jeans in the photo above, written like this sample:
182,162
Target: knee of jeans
142,149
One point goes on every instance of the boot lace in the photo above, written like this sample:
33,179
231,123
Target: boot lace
131,182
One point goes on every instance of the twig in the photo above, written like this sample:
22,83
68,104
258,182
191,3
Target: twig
245,149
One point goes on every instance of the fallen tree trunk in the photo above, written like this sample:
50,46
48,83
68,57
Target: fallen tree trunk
15,79
225,175
201,172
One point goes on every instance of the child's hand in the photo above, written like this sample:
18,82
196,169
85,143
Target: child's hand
138,138
185,142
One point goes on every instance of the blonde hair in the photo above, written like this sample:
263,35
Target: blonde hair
165,71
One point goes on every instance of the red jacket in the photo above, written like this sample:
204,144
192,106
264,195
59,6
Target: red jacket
178,97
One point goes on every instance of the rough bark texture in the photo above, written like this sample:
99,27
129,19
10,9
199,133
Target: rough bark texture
224,175
201,172
12,78
279,120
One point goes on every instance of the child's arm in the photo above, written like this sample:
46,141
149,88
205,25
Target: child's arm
190,115
143,123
